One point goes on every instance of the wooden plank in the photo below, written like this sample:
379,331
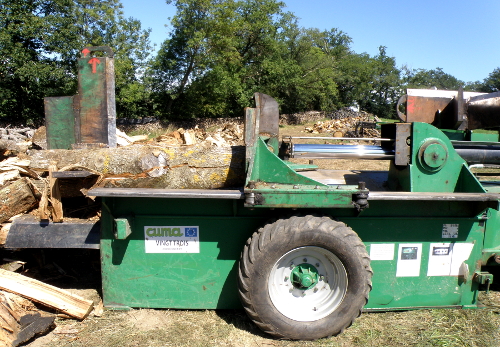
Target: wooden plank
45,294
16,198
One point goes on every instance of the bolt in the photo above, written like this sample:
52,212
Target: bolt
295,187
317,264
286,278
305,260
315,309
315,290
321,278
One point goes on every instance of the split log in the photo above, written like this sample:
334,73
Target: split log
199,166
43,293
16,198
20,320
55,195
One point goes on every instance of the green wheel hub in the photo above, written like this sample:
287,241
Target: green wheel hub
304,276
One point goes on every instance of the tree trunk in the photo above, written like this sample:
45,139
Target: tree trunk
148,166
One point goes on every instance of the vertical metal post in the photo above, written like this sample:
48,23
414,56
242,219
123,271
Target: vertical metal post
96,89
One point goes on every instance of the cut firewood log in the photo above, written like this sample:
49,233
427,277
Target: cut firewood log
20,320
16,198
199,166
45,294
55,195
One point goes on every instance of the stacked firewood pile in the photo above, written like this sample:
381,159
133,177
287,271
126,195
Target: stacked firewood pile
346,123
301,118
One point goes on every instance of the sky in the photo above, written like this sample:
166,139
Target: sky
460,36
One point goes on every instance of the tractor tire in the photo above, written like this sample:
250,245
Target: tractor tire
304,278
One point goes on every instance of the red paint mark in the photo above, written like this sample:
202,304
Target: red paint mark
85,51
94,61
410,106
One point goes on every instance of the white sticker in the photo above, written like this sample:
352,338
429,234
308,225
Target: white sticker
450,231
446,259
409,256
461,253
172,239
382,251
440,256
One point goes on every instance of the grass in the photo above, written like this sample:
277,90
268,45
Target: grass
158,328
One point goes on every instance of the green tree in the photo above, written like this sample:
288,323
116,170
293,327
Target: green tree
40,41
372,83
491,83
222,51
313,59
427,79
216,55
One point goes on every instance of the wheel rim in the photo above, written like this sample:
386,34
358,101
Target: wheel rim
316,292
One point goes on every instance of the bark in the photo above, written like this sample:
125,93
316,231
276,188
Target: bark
20,320
148,166
16,198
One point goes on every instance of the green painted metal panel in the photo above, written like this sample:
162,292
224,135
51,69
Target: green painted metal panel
207,279
204,279
434,166
437,279
60,122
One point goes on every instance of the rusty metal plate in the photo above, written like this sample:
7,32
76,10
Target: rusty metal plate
269,114
483,111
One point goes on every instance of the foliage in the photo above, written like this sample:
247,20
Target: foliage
428,79
40,41
221,52
492,82
218,54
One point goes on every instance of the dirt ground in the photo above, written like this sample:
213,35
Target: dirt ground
80,271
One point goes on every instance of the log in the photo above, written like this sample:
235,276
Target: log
9,148
55,195
16,198
199,166
20,320
43,293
